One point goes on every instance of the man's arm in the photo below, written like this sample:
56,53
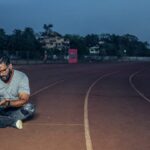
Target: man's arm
23,99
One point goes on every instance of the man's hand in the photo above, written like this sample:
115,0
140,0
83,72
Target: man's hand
23,98
4,102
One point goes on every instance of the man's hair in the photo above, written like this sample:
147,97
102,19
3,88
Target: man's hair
4,59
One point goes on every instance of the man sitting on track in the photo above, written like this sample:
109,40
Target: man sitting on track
14,95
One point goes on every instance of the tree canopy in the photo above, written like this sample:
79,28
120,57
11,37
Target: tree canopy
27,44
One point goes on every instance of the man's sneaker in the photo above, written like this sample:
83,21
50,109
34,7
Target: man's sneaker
18,124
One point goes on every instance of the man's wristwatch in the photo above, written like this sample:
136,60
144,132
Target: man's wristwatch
8,104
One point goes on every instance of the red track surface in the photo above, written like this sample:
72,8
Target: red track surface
118,116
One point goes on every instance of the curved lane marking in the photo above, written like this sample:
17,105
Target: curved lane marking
88,140
46,87
133,86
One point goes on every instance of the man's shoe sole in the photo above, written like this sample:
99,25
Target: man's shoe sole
19,124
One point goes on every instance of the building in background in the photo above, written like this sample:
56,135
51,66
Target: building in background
54,41
94,50
55,46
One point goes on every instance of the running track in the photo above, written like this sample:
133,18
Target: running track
85,107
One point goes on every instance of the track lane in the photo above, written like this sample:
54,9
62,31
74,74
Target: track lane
140,81
88,140
59,122
68,99
119,119
134,87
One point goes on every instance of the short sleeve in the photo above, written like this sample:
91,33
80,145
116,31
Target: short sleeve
24,85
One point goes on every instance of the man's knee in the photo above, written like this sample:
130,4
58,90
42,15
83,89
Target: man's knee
28,109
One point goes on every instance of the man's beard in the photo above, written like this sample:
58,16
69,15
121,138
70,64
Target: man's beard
6,77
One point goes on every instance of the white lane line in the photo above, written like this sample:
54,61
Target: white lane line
89,145
133,86
46,87
52,124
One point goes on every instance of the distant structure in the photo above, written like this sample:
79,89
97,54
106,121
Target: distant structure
73,56
54,41
95,50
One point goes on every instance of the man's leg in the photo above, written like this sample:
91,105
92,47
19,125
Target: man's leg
6,121
22,113
16,115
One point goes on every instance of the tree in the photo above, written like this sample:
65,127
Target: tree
31,44
91,40
47,29
15,41
24,43
3,40
78,42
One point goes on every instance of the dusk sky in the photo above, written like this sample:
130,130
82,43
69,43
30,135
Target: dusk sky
78,16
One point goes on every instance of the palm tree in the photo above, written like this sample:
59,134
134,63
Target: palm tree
48,29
